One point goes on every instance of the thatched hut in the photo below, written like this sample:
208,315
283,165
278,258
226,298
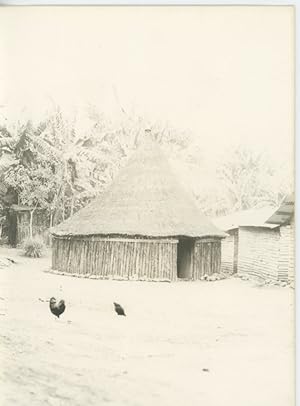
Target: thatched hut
143,227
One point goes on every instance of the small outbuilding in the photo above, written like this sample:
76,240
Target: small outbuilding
145,226
250,247
260,243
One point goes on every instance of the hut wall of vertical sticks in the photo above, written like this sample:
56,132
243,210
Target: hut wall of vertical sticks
145,226
116,258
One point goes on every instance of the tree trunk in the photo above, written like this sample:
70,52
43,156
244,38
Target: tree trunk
30,223
72,205
51,224
63,205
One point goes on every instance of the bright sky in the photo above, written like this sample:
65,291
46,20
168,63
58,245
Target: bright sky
225,73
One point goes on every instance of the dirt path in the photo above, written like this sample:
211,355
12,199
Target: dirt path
158,355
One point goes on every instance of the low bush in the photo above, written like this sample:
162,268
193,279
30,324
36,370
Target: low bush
34,248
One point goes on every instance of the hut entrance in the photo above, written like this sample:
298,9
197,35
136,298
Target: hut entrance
184,259
12,228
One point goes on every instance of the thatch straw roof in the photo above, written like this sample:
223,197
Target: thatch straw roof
145,199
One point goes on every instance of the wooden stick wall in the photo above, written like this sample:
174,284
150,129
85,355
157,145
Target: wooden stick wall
131,259
116,258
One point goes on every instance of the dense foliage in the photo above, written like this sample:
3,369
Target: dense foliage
62,163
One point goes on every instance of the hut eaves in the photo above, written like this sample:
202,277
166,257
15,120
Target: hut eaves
284,212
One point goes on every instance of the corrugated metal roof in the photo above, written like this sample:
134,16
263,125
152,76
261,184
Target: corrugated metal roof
284,212
246,218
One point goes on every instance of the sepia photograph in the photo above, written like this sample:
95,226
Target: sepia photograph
147,205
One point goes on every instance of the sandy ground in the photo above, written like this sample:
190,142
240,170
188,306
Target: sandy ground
240,333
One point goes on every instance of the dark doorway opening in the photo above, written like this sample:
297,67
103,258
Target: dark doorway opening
184,258
12,228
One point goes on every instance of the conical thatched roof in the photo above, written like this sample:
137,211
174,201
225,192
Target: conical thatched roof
144,200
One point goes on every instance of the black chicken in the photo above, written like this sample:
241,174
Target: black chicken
119,309
57,308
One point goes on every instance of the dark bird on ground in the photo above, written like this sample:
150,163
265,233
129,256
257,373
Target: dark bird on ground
57,308
11,260
119,309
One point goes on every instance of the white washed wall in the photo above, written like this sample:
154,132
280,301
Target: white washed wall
286,264
284,252
292,252
291,266
258,252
